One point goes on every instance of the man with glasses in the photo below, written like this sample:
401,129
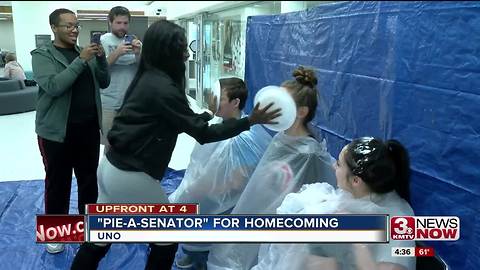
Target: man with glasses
68,114
123,53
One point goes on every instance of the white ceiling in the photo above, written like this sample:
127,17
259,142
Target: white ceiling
95,3
170,9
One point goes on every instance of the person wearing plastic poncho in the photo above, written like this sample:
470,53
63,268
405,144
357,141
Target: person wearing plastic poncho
144,134
292,159
218,172
372,177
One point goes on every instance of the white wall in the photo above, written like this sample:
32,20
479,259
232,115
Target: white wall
292,6
176,9
7,42
30,19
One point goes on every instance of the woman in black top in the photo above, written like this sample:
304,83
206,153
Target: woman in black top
144,133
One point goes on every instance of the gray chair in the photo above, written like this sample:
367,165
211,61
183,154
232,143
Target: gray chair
15,97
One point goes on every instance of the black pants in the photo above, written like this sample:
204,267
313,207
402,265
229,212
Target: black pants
79,152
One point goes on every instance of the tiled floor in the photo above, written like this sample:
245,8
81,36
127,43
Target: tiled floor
20,158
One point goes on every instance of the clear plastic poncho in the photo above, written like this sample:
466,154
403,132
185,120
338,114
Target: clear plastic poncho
321,198
218,172
288,164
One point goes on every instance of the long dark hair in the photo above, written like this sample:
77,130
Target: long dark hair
383,166
164,47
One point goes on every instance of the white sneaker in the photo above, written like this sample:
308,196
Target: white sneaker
55,248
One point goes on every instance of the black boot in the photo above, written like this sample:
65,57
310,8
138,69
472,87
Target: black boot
89,256
161,257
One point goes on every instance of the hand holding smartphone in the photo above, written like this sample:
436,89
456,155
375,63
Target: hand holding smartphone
128,39
96,38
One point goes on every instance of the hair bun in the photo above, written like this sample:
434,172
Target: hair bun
305,76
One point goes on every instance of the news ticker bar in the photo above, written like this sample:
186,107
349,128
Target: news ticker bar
239,228
219,229
413,252
241,222
181,223
110,236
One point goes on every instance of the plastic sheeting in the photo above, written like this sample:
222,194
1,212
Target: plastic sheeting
321,198
288,163
402,70
21,201
217,182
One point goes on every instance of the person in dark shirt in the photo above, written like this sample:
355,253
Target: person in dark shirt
144,133
68,114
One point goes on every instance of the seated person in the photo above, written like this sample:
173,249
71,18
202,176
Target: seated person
372,178
218,172
13,70
293,158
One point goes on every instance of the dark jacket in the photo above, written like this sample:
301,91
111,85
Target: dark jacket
55,77
145,131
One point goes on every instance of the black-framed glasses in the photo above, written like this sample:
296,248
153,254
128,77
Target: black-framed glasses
70,27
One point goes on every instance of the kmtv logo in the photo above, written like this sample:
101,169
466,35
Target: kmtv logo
425,228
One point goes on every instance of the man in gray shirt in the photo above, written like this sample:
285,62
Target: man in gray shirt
123,53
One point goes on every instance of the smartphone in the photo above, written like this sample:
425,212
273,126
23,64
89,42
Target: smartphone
128,39
95,38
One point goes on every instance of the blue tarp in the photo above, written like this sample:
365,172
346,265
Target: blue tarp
403,70
21,201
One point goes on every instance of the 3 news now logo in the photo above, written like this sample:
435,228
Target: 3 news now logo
425,228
